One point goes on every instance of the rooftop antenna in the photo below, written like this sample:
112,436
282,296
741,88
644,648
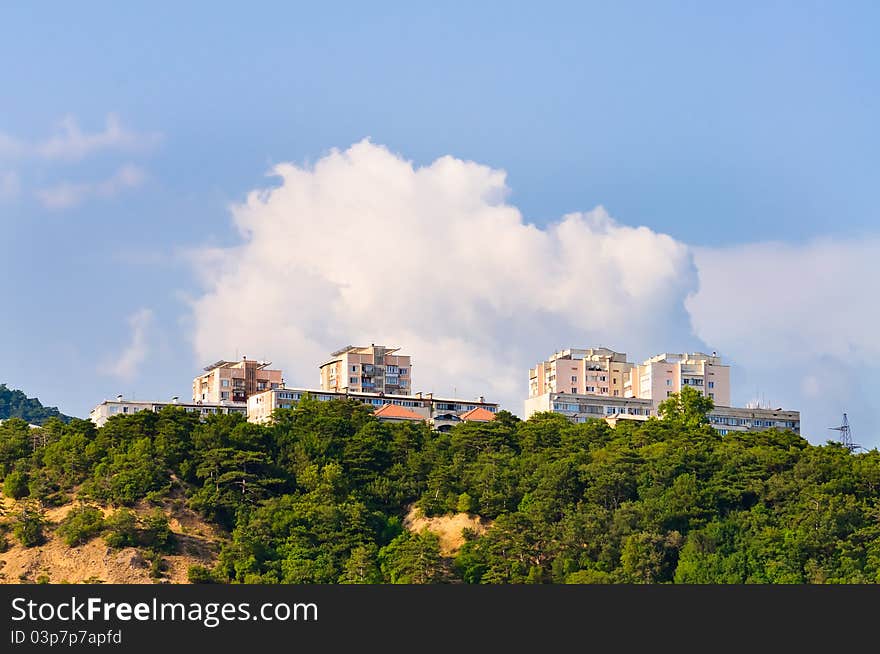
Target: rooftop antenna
846,438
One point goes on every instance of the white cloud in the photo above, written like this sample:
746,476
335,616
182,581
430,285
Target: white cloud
71,143
125,366
366,247
10,185
800,321
70,194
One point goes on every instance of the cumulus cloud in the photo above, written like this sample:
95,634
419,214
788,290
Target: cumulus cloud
70,194
10,185
365,247
799,321
126,365
71,143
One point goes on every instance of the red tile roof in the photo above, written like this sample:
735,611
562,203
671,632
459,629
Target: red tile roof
479,414
392,411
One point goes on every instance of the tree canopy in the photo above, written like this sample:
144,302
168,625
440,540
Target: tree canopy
320,496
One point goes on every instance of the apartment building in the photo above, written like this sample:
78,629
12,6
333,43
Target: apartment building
595,371
728,419
580,407
373,369
725,419
120,406
665,374
435,410
234,381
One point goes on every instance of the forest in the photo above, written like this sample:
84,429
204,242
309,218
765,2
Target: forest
15,404
319,496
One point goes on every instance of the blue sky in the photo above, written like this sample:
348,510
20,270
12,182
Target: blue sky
725,126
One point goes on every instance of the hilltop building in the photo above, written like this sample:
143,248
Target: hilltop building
373,369
584,383
437,411
120,406
234,381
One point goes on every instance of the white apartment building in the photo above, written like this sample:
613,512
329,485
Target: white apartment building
436,410
120,406
580,408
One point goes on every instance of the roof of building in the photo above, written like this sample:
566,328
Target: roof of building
478,414
392,411
226,364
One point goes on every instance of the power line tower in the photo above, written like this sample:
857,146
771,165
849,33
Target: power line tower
846,437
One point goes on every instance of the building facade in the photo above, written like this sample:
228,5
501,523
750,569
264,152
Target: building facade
120,406
580,408
261,405
665,374
234,381
728,419
373,369
581,371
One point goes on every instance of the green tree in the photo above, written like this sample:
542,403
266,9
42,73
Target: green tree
361,566
80,525
412,559
688,407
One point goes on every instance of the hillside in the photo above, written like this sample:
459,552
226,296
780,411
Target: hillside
15,404
328,494
53,561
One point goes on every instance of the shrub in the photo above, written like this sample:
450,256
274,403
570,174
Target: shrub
16,485
199,574
122,529
156,534
28,527
81,525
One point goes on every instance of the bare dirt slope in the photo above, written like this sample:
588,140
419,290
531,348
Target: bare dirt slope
448,527
95,562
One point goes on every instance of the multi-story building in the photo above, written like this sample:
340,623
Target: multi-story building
580,407
728,419
373,369
665,374
435,410
234,381
593,371
120,406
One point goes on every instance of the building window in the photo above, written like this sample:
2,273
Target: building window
669,382
224,395
711,384
616,393
668,393
224,383
354,368
712,395
574,390
574,378
352,380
